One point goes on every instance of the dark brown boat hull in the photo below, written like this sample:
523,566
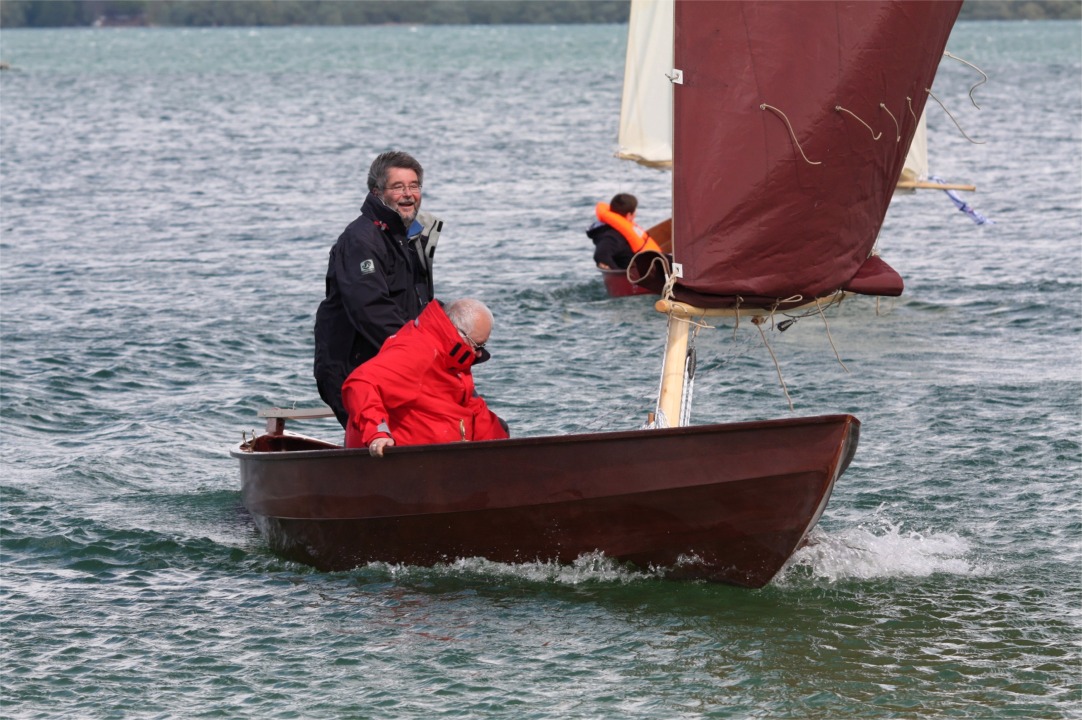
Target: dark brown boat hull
727,503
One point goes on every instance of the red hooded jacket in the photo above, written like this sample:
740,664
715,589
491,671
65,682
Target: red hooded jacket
419,389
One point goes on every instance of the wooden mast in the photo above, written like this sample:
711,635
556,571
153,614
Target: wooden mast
670,396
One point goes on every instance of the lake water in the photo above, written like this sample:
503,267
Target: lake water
168,200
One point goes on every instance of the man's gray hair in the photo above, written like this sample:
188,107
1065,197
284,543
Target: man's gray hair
465,314
377,172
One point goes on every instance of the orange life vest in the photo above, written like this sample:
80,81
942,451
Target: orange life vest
636,237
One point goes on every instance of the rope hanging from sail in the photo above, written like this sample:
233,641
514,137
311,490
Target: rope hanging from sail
792,134
670,280
758,322
690,369
657,261
875,135
791,300
831,339
909,101
897,127
984,76
956,124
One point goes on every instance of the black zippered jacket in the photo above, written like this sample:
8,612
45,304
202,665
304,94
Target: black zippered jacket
376,283
610,247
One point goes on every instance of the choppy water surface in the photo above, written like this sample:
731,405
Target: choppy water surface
168,200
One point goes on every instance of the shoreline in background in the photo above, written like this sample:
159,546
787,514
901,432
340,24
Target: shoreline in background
234,13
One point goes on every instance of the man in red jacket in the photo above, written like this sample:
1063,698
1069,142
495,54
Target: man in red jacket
419,388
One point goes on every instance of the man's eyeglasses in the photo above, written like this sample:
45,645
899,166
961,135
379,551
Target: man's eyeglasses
477,347
399,188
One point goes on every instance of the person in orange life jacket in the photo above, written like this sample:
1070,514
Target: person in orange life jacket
378,277
616,236
419,388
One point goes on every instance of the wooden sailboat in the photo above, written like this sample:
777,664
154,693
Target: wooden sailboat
778,198
714,502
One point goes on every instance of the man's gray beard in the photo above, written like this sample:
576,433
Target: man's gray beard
407,221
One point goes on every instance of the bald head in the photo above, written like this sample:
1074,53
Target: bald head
471,317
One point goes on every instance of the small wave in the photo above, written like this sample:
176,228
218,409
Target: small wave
882,549
587,568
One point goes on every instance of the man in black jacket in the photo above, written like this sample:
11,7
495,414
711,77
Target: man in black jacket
378,278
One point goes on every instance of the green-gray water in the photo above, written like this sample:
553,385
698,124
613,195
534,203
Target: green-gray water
168,200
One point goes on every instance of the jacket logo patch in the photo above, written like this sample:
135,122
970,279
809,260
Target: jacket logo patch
368,266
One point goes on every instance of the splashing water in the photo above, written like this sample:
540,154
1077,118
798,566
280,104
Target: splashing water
879,549
587,568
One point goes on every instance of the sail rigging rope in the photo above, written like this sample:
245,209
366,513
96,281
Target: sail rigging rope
670,279
975,85
792,134
658,261
897,127
758,322
875,136
831,339
791,300
967,137
691,369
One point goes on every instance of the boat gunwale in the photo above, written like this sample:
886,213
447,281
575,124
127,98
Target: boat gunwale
239,452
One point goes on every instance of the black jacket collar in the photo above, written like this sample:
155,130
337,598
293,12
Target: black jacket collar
375,209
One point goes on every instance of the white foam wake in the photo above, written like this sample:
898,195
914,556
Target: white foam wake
881,548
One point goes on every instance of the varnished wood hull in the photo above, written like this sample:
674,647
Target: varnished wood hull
727,503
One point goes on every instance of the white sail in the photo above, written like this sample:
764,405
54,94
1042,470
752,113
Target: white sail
915,172
646,108
916,162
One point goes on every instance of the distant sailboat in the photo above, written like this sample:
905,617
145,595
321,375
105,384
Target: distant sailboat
915,171
915,176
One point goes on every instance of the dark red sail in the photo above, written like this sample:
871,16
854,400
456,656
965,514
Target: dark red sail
780,186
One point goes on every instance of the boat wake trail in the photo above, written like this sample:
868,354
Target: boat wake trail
882,549
587,568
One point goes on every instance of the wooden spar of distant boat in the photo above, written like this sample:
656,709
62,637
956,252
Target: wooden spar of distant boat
915,170
929,185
